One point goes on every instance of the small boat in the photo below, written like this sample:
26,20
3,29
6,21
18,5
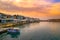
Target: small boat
13,30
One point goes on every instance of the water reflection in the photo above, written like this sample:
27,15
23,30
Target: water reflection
36,31
41,31
14,35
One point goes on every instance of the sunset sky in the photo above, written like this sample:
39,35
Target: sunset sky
43,9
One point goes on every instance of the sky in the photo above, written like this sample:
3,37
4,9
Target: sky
57,1
43,9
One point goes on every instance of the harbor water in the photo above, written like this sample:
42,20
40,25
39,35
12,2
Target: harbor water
35,31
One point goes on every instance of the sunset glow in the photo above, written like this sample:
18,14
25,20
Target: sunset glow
31,8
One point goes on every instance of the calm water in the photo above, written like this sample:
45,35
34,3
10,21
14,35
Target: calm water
35,31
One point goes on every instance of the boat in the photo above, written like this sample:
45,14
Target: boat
13,30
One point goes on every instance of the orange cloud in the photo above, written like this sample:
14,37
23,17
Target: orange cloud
30,3
55,9
31,8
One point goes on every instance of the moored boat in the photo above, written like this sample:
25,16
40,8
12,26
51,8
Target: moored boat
12,30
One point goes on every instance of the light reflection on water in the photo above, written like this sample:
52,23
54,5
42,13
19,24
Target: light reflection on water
36,31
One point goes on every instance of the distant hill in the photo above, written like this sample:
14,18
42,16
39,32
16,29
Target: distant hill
54,20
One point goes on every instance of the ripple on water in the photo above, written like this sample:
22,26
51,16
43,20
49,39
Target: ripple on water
35,31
